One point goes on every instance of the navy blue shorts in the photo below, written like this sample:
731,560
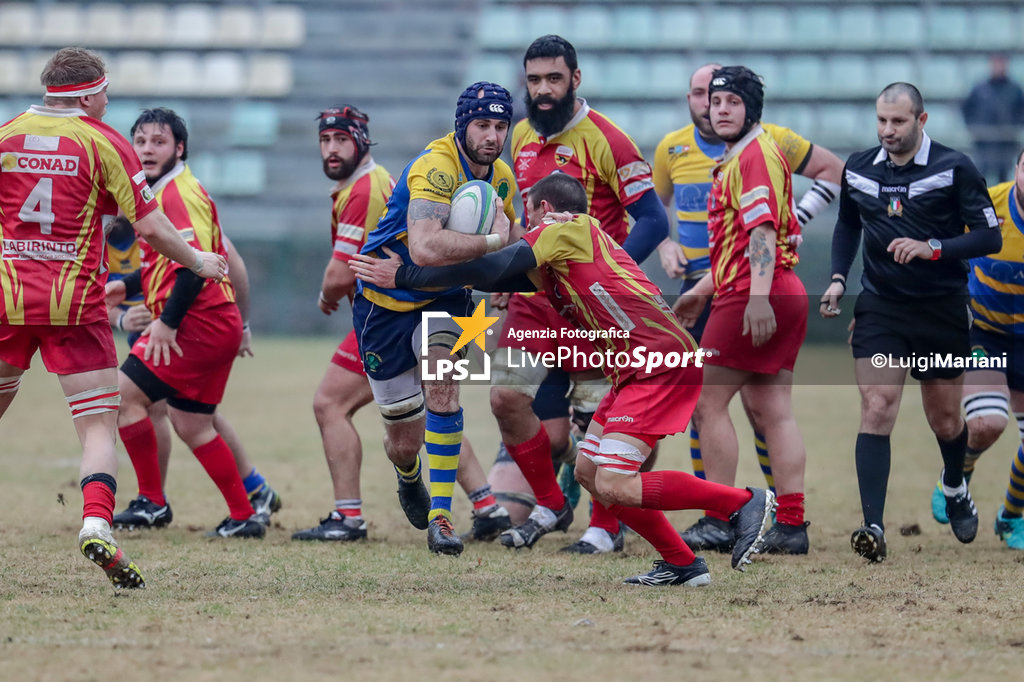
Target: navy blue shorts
387,345
990,344
697,330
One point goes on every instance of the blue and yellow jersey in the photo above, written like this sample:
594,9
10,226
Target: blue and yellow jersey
996,281
682,169
434,175
123,259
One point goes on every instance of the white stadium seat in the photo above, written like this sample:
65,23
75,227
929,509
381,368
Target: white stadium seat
236,26
223,75
61,25
12,72
148,25
191,25
269,76
282,26
106,24
19,24
133,72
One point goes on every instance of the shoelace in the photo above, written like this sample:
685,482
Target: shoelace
445,525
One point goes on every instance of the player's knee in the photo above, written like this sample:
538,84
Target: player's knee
987,414
985,431
946,425
509,405
612,487
878,411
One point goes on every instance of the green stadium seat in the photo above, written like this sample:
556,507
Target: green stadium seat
254,124
634,26
679,28
657,120
949,28
542,20
121,114
501,26
727,27
773,26
941,77
206,169
798,117
946,125
497,68
668,76
591,26
849,76
19,24
813,26
243,173
999,26
887,69
767,66
804,76
626,75
857,27
903,26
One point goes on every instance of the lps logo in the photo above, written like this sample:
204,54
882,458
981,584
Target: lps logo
473,330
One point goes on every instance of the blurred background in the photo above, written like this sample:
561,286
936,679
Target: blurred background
250,78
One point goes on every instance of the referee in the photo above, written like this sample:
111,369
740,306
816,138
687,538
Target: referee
910,198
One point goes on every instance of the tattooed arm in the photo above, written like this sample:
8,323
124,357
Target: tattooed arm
759,318
431,245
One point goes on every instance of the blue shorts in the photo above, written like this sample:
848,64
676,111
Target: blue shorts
994,345
697,330
387,345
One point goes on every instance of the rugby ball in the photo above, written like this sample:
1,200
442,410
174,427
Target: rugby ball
472,208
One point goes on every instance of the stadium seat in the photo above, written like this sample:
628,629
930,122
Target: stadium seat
148,25
269,76
813,26
773,27
497,68
656,121
223,75
625,75
857,27
949,28
622,115
887,69
800,118
668,76
999,26
121,114
105,24
804,76
61,24
946,125
243,173
634,26
18,23
903,26
847,125
941,77
206,169
133,72
678,28
849,76
253,124
235,26
726,27
769,69
501,26
542,20
191,25
12,72
177,73
283,26
591,26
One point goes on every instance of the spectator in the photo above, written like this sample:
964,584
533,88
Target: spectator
994,113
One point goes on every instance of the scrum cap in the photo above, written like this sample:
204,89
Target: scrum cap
741,81
350,120
481,100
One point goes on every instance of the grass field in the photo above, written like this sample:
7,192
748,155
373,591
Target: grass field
385,609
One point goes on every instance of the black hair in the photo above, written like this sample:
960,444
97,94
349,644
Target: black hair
552,46
167,117
890,92
562,191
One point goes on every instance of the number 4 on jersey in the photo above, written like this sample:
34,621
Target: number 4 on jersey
38,206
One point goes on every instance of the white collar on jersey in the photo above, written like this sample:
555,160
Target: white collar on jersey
579,116
920,158
367,165
178,169
60,112
742,144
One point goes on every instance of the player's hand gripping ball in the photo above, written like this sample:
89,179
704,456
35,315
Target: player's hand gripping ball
473,208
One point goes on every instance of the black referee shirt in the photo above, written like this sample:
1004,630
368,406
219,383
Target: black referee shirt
933,196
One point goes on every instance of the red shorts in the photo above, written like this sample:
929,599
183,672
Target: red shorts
653,407
347,355
209,340
70,349
528,315
723,336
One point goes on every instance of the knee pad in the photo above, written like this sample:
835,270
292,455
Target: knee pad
509,369
986,404
94,401
404,410
619,457
10,384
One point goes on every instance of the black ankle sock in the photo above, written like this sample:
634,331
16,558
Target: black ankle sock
873,460
953,452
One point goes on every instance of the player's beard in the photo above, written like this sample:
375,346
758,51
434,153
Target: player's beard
551,121
164,170
481,158
345,170
703,125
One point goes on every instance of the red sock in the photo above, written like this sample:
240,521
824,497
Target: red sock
534,459
652,526
219,462
791,509
99,501
140,441
486,502
680,490
603,518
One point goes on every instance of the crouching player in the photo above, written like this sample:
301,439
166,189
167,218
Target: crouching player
594,283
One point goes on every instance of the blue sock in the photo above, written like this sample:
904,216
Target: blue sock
253,481
444,444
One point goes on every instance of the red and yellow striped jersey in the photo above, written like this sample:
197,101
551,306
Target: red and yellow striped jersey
752,186
63,175
191,210
591,281
596,152
358,204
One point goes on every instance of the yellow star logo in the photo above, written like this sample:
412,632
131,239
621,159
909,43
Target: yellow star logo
473,328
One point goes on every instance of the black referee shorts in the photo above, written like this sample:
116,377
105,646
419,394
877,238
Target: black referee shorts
908,329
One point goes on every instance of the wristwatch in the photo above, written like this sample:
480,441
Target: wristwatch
936,247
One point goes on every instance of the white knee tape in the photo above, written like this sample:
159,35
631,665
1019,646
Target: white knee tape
619,457
587,395
510,368
986,404
406,410
10,384
94,401
589,447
